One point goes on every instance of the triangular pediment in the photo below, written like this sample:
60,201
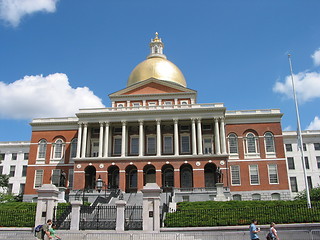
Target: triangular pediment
153,86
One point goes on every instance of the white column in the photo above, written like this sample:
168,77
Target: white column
223,136
176,137
199,137
194,138
100,139
216,136
123,139
79,140
106,140
158,138
84,141
141,138
144,102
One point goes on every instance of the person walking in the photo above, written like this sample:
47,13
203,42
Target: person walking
52,231
254,230
273,235
45,233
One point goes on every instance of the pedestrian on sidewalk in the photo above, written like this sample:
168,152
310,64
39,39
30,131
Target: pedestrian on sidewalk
273,235
254,230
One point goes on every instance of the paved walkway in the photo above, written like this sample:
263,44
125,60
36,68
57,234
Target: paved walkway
286,232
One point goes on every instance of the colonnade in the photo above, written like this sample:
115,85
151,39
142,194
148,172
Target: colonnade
196,137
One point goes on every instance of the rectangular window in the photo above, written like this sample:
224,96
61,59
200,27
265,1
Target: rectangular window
184,128
273,174
207,145
290,161
70,178
38,179
136,104
12,171
304,147
289,147
2,156
14,156
254,174
55,177
134,146
1,170
25,156
24,171
117,142
21,190
316,146
206,127
185,144
235,175
167,145
294,185
306,160
318,161
309,182
151,104
151,144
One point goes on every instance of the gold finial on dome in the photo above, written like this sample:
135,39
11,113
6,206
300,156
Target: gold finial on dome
157,39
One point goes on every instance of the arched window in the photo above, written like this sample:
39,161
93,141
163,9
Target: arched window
237,197
186,176
73,148
251,146
269,142
251,143
275,196
256,197
58,149
233,143
42,148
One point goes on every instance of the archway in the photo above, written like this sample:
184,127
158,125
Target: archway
186,176
210,175
90,177
149,174
131,179
113,177
167,177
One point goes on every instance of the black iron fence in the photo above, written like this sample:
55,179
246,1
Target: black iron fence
299,213
18,217
133,218
62,216
99,217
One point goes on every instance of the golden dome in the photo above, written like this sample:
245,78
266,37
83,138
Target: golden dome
156,66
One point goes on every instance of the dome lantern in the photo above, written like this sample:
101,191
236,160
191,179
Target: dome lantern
156,47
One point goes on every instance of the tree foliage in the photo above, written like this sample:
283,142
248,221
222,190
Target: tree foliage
4,181
314,194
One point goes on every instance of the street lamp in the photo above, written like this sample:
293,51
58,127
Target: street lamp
100,185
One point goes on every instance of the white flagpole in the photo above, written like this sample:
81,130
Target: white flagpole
299,135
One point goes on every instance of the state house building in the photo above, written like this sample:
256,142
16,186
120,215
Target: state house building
155,131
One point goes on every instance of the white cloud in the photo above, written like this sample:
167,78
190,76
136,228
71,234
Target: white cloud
12,11
288,128
315,124
50,96
307,86
316,57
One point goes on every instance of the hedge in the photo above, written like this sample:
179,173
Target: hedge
205,214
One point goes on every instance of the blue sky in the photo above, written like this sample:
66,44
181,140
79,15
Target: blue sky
58,56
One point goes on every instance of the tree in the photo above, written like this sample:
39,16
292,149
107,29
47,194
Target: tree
4,181
314,194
